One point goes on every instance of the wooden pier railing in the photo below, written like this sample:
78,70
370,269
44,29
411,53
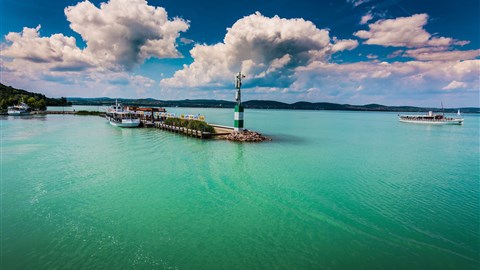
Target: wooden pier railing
181,130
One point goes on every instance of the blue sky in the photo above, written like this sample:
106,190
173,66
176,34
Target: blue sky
347,51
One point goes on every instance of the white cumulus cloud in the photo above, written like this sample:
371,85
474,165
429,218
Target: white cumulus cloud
119,35
467,70
343,44
384,82
122,33
404,32
266,49
57,50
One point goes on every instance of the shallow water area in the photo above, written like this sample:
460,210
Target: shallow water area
332,190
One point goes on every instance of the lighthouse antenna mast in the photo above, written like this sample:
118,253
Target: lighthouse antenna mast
238,86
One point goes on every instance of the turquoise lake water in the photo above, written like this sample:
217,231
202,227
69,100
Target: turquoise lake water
333,190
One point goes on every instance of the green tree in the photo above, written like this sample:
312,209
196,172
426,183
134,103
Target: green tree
31,102
11,101
40,104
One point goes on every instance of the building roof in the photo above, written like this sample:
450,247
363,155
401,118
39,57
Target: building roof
146,109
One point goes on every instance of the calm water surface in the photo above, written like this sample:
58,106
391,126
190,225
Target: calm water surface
333,190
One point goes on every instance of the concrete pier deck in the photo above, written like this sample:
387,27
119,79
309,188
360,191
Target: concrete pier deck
222,130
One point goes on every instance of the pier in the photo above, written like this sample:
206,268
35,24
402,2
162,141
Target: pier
147,121
182,130
156,122
219,130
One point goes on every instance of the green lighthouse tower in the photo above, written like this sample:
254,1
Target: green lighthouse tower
238,116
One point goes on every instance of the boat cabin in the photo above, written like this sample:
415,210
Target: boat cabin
148,113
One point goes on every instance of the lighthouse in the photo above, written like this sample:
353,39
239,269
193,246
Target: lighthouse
238,115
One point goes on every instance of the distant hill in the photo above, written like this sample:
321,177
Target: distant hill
208,103
10,96
261,104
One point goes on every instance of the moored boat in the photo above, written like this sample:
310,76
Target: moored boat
20,109
118,116
430,118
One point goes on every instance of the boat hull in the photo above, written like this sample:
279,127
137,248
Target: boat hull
17,113
125,123
438,122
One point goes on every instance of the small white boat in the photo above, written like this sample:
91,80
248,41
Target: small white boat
20,109
119,117
430,118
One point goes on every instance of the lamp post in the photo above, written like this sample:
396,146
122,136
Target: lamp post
238,115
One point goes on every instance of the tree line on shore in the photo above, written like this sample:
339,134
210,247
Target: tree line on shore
263,104
10,96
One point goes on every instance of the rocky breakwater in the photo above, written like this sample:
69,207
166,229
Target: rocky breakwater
246,136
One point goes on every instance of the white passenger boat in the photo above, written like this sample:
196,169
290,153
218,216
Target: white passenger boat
118,116
430,118
20,109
